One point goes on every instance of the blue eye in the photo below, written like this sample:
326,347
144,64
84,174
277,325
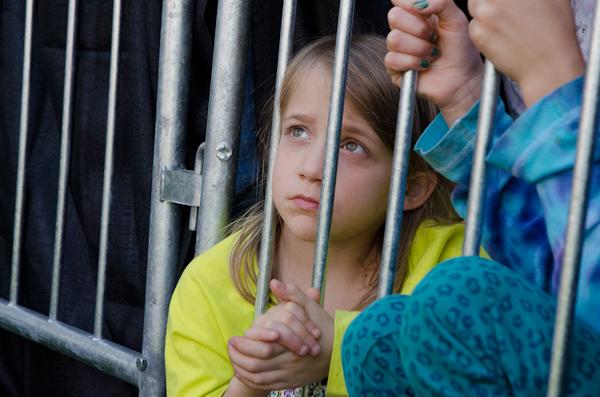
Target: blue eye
299,132
353,147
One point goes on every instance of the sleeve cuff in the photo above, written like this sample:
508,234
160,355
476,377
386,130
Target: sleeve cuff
542,141
450,150
336,386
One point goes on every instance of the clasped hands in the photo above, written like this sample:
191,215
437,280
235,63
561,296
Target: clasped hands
287,347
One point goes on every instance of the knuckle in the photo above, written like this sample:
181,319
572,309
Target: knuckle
387,61
269,350
485,11
476,32
252,366
392,62
393,16
270,324
287,318
392,40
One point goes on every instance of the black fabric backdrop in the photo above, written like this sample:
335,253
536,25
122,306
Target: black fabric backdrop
27,369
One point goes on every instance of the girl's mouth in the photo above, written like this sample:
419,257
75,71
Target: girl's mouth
306,203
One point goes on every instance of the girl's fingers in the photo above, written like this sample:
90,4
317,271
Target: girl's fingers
293,335
258,373
300,314
260,381
248,363
254,348
400,19
404,43
261,334
398,63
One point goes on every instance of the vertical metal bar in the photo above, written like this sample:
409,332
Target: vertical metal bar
165,218
395,211
108,167
286,36
576,222
334,125
65,149
474,219
20,188
223,120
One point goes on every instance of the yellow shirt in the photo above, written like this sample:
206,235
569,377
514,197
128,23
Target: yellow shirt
206,310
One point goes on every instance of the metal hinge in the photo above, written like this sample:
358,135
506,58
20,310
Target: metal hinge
184,187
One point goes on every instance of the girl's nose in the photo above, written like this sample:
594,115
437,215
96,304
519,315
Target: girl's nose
311,167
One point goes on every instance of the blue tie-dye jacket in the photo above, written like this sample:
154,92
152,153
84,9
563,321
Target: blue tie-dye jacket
530,165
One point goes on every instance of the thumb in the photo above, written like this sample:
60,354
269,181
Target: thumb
446,10
289,292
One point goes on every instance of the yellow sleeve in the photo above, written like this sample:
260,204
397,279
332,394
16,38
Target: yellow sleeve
336,386
196,359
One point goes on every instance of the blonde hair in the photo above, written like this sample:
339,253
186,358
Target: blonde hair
373,95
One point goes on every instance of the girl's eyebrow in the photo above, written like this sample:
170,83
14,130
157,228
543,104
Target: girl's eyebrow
300,117
355,130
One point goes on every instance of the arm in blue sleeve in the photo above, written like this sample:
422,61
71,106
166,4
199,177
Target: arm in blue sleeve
513,219
540,149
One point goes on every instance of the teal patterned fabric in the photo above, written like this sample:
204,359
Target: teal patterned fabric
529,168
472,327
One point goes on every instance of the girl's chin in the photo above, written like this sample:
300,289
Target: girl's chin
301,232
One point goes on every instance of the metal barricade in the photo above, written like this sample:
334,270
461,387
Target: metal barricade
172,186
474,221
210,192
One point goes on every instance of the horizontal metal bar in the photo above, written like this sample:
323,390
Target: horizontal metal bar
104,355
181,187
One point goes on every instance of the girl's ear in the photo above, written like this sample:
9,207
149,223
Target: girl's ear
419,188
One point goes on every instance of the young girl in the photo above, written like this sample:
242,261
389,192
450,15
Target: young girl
214,346
472,326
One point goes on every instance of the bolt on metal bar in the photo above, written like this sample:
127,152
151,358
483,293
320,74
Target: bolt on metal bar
576,222
334,125
169,153
108,167
489,95
20,188
65,149
225,107
395,210
104,355
265,256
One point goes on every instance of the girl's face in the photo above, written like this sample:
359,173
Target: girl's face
364,166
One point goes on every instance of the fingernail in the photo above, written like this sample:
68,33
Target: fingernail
425,63
315,350
315,333
303,350
435,52
420,4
